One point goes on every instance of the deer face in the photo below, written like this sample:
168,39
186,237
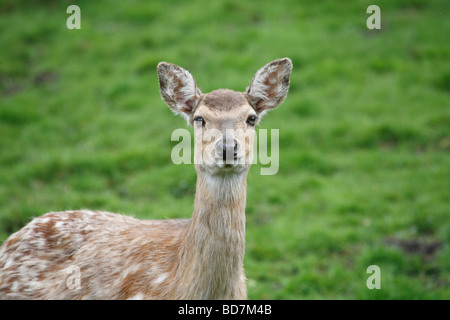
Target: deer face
224,120
224,127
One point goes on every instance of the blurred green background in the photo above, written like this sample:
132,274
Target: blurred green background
364,133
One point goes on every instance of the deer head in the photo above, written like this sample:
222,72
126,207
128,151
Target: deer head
224,120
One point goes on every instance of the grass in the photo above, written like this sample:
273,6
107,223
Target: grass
364,132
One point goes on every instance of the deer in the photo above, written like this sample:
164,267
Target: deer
87,254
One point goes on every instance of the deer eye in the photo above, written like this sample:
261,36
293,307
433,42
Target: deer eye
251,120
200,120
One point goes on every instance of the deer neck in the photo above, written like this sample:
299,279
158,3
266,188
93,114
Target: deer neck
214,245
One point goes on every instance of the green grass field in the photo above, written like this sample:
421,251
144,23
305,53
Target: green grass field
364,132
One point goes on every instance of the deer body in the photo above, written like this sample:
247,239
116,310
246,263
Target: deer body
119,257
129,258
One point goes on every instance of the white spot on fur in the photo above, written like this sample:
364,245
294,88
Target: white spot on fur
15,286
139,296
59,224
88,212
8,263
44,220
160,279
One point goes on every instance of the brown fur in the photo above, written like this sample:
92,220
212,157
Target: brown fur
224,99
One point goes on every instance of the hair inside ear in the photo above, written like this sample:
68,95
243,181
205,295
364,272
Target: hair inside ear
270,85
178,88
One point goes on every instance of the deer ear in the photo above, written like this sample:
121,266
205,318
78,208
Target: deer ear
178,89
270,85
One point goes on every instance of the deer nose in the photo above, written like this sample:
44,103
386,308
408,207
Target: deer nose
227,150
